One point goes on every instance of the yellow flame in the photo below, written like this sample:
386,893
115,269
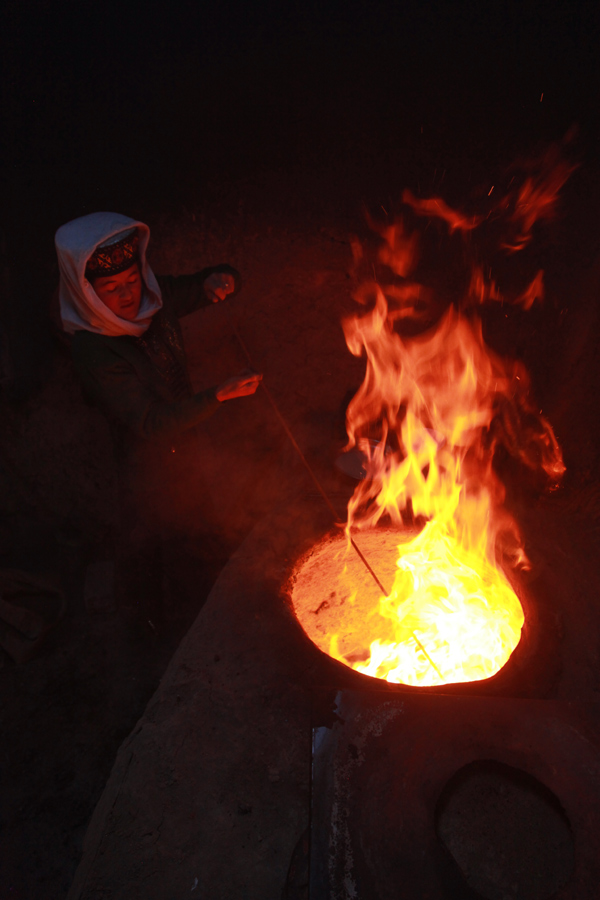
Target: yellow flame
451,615
461,609
428,418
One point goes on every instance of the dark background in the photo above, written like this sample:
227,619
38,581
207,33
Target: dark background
138,107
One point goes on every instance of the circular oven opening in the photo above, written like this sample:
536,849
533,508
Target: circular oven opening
506,831
436,626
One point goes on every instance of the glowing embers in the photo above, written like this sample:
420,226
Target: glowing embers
447,619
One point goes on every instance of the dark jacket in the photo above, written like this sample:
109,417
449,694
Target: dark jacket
142,384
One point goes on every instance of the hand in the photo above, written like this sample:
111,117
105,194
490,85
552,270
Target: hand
241,385
218,285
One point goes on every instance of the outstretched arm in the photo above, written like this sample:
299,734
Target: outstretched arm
187,293
115,386
241,385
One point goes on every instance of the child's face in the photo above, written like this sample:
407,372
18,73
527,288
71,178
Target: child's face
122,293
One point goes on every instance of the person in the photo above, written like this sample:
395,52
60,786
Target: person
127,349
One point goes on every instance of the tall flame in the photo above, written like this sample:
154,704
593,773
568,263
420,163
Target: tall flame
428,418
431,401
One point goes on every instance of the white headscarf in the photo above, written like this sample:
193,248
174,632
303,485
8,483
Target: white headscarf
80,306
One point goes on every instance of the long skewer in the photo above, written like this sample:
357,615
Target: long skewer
316,481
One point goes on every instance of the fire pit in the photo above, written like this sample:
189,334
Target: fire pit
434,602
463,639
314,593
435,598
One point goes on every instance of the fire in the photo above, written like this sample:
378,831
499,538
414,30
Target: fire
453,616
428,418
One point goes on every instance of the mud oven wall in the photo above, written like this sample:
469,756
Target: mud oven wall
218,768
383,755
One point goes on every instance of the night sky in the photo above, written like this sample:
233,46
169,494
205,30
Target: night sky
137,106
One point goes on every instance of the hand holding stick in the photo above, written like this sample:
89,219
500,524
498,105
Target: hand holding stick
241,385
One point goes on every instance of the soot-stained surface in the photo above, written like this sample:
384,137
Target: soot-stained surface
455,797
476,823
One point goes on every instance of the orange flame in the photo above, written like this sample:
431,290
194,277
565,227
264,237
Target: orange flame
536,199
435,207
434,399
428,418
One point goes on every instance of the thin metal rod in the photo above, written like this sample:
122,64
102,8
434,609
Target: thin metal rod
286,428
317,483
387,594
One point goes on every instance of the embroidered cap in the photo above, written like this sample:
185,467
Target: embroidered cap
114,255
